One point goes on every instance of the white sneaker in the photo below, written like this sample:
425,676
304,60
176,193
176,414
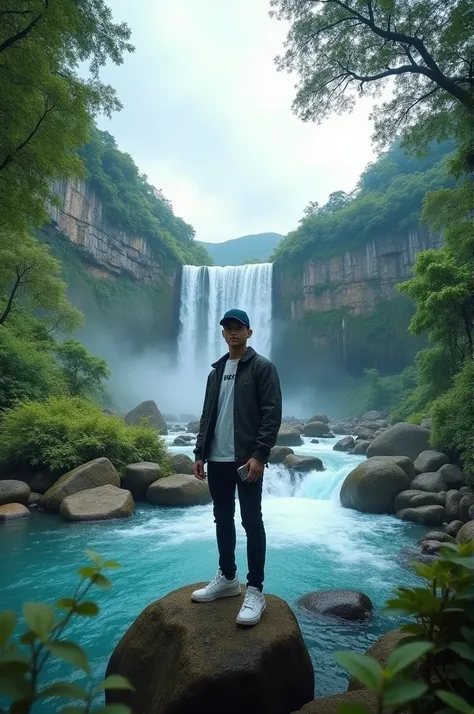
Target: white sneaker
218,587
253,607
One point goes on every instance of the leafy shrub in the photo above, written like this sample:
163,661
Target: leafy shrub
63,432
84,373
22,661
433,666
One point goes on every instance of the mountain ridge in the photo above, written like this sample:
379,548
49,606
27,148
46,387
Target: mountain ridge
253,247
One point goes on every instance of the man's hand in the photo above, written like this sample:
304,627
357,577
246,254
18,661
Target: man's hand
198,470
255,468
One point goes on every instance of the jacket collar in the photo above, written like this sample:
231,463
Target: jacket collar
249,354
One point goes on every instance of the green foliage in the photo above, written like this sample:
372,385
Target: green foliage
134,205
23,656
84,372
432,666
420,50
64,432
388,201
45,106
30,278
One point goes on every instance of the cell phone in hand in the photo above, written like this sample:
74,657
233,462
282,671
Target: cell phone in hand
243,472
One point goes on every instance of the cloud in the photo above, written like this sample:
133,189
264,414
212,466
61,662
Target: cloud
208,118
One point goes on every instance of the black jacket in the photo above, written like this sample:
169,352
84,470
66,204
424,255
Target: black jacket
257,408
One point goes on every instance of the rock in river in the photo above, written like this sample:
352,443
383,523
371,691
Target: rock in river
98,472
430,461
403,439
149,411
12,491
372,486
343,604
179,490
303,464
98,504
139,476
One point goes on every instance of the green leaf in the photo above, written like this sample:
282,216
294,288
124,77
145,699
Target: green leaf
468,633
352,709
15,687
65,603
404,655
87,609
73,710
466,562
413,628
114,709
63,689
457,703
111,564
363,668
69,652
94,556
39,617
28,638
403,692
115,681
463,650
87,572
13,668
7,626
102,582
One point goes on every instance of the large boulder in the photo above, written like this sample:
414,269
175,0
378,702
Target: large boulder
432,482
303,464
288,436
440,536
373,415
184,440
333,703
147,411
413,498
319,417
452,475
430,461
400,440
12,491
381,651
185,657
372,486
360,448
453,501
98,472
405,463
343,604
363,433
426,515
279,453
466,533
139,476
34,499
13,511
454,527
316,428
98,504
345,444
179,490
465,506
193,427
181,464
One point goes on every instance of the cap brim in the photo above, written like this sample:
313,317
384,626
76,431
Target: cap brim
230,319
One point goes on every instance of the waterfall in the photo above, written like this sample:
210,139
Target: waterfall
206,294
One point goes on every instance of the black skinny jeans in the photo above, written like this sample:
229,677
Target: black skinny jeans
222,479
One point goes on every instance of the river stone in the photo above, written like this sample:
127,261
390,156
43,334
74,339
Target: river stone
372,486
139,476
34,499
12,491
316,428
431,547
360,447
404,462
98,472
288,436
343,604
413,499
430,461
339,429
278,454
345,444
426,515
149,411
13,511
184,657
98,504
303,464
179,490
454,527
452,475
453,500
319,417
184,440
181,464
380,651
413,553
466,533
437,535
193,427
403,439
373,415
314,441
363,433
432,482
464,508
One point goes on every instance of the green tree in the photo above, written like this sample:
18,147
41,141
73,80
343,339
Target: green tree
45,107
84,372
420,49
29,280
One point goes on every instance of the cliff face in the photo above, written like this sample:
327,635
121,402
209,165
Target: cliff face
355,280
106,250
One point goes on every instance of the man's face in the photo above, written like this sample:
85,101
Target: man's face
235,333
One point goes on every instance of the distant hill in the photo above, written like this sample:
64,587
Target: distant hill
258,247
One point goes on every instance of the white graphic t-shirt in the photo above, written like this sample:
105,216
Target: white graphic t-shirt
222,445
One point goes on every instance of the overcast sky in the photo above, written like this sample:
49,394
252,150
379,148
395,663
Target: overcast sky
208,118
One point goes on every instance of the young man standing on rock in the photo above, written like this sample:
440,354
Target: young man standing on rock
239,425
